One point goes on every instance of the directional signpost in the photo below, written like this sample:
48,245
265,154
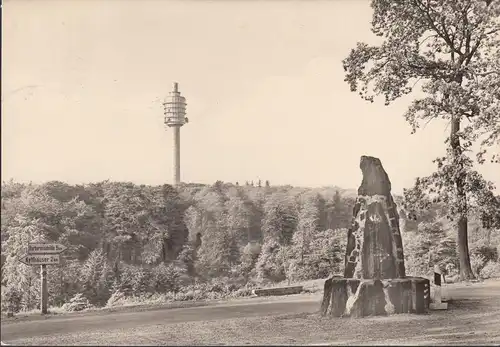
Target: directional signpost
45,248
43,254
42,259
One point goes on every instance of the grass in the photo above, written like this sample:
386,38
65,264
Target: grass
189,298
465,323
132,304
470,321
168,300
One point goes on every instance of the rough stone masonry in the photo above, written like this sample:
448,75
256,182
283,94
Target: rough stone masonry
375,281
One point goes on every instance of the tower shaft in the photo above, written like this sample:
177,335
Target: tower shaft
175,118
177,154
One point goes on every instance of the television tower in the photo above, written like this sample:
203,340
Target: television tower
175,117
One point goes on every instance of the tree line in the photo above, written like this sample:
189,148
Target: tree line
148,239
194,233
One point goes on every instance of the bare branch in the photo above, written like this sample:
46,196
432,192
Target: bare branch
474,49
428,37
492,31
483,74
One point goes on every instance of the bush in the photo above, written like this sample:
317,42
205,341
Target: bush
451,270
11,299
490,270
184,296
213,296
134,280
182,280
78,303
169,297
116,299
216,289
270,264
488,253
477,262
242,292
96,277
165,278
249,257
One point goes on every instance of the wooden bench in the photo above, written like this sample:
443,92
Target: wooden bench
278,291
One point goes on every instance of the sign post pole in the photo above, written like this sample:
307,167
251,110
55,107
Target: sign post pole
44,291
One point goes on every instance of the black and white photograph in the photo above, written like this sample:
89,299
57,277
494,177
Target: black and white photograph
250,172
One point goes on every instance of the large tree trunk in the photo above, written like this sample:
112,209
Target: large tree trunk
462,237
463,250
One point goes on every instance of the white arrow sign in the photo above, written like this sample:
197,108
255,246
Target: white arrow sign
45,248
43,259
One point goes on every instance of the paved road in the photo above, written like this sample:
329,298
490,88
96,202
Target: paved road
123,320
134,322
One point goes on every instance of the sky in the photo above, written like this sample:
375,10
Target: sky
83,82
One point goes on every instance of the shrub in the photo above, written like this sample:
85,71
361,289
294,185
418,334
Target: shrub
169,297
182,280
11,299
119,299
490,270
184,296
451,270
165,278
489,253
186,257
116,299
270,264
134,280
213,296
96,277
242,292
477,262
249,257
78,303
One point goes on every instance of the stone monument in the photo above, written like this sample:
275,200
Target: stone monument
375,281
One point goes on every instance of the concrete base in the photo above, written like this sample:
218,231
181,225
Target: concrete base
438,306
349,297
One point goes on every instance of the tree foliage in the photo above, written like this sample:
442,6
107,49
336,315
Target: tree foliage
448,50
128,240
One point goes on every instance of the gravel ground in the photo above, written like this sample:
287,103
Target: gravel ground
473,318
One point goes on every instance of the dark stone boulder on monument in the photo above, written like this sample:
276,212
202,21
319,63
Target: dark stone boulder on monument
374,245
375,281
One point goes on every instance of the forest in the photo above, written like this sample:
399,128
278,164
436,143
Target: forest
198,241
